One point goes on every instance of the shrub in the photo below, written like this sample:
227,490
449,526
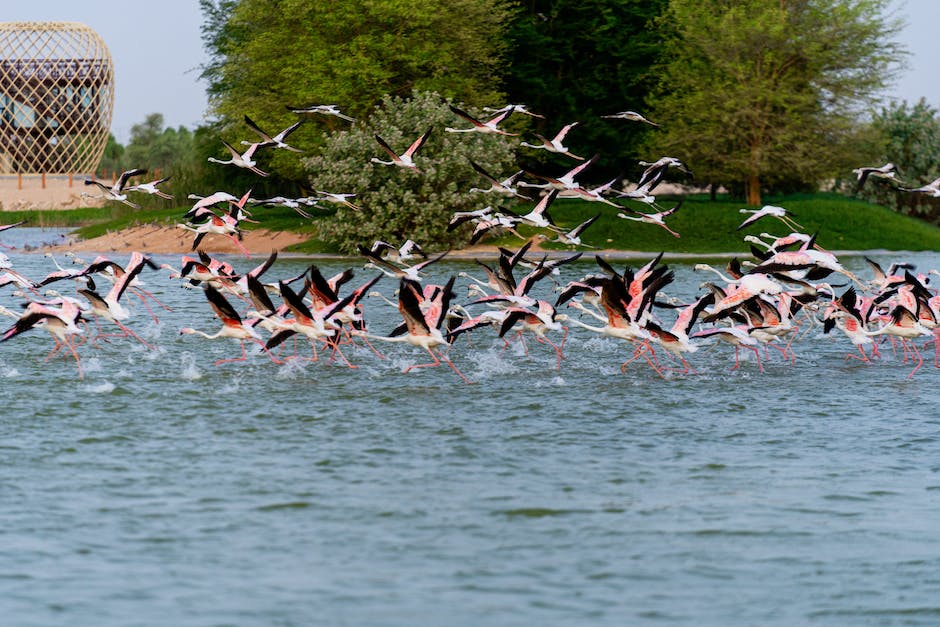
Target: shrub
398,203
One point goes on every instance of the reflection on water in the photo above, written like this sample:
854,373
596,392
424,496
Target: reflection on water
162,489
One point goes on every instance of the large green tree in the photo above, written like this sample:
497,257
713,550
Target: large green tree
266,54
576,60
757,93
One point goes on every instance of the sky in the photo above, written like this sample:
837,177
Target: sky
157,52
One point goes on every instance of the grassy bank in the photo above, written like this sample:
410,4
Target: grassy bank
705,226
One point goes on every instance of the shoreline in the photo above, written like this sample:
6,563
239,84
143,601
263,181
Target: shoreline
172,240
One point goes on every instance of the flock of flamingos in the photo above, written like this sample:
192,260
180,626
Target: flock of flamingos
791,285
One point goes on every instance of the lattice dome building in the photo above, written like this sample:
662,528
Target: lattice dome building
56,98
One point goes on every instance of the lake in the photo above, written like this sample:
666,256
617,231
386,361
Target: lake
161,489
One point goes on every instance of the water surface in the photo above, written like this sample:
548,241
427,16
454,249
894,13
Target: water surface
161,489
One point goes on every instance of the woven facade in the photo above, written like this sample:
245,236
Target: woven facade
56,98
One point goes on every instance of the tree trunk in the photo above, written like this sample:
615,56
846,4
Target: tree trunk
753,191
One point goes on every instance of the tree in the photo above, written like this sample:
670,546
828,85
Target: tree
910,139
112,161
396,203
575,60
162,152
266,55
767,92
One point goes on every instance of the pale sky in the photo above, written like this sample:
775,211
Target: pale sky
157,51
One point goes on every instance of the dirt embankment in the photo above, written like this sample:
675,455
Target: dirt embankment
171,240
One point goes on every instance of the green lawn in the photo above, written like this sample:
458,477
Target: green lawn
710,227
705,227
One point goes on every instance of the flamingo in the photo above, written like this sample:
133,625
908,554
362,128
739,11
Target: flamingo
406,252
478,126
658,218
116,192
277,141
738,337
769,210
887,171
60,321
516,108
555,144
151,188
630,115
422,319
232,325
321,110
242,160
504,187
573,237
340,199
931,189
404,160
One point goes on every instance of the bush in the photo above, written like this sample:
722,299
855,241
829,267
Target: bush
397,203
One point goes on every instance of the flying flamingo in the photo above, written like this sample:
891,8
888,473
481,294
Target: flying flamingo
658,218
404,160
555,144
322,110
242,160
478,126
117,192
277,141
151,188
633,116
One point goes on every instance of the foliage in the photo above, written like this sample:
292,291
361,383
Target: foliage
398,203
575,60
763,92
267,55
112,161
911,141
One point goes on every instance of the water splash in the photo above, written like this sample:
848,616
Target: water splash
189,371
105,387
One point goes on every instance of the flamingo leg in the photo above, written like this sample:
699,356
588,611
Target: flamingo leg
865,358
239,245
920,359
244,356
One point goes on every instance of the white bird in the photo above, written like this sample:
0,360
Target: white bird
516,108
932,189
151,188
769,210
479,126
404,160
322,110
277,141
630,115
555,144
407,252
886,171
116,191
242,160
573,237
657,218
504,187
340,199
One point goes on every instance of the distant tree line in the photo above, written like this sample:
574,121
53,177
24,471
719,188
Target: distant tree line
756,96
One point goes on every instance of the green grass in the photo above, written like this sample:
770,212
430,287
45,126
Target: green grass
705,227
710,227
